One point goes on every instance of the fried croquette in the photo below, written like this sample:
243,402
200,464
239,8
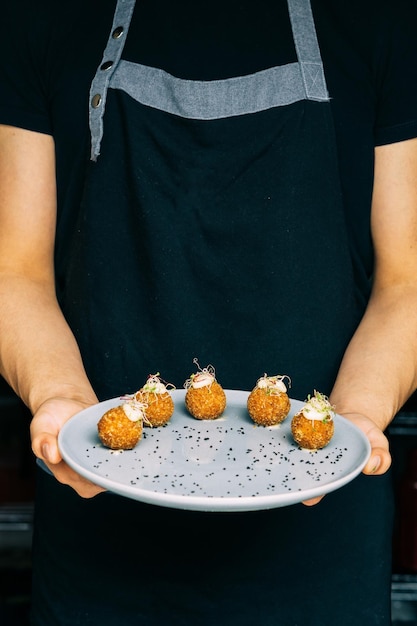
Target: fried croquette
121,427
268,403
157,400
313,426
205,398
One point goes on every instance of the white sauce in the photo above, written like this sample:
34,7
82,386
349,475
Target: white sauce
202,379
133,410
272,382
155,386
318,410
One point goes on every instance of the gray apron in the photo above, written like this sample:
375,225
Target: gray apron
212,226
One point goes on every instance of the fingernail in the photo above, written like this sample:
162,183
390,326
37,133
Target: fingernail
45,451
377,463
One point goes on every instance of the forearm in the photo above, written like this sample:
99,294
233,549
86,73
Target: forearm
39,356
379,370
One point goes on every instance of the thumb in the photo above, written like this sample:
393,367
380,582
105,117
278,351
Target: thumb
379,461
45,446
46,424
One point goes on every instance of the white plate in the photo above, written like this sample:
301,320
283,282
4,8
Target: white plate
228,464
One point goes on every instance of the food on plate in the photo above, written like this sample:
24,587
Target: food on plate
268,403
313,426
205,398
121,427
159,405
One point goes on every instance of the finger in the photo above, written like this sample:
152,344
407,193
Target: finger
67,476
380,458
378,463
313,501
45,447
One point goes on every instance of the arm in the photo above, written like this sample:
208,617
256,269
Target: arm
38,353
379,369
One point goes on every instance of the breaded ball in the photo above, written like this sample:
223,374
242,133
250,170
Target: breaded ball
205,398
268,403
118,431
157,400
313,426
160,407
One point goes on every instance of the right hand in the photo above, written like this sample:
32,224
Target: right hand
46,424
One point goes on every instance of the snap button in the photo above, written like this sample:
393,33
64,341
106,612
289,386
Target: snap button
106,65
96,101
118,32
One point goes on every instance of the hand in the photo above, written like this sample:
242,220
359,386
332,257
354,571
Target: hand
46,424
380,458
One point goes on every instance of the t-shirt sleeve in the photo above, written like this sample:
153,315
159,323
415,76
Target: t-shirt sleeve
24,63
396,102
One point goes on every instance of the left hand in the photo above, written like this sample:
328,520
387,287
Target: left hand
380,457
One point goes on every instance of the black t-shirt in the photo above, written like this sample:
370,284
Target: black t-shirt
49,54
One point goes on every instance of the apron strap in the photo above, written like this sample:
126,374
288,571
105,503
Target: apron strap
111,56
308,51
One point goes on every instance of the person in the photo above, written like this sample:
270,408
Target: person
233,181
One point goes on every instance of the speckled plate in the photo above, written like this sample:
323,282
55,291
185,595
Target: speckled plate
228,464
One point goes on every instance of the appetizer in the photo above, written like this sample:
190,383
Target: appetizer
313,426
159,406
268,403
121,427
205,398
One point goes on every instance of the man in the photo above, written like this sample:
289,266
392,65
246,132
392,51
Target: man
224,218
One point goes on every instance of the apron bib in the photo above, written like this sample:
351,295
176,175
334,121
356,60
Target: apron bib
212,225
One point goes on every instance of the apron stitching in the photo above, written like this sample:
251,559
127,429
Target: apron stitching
308,50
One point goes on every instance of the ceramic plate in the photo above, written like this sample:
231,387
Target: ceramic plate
228,464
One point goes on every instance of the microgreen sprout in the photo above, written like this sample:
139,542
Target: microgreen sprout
209,372
137,408
155,384
318,407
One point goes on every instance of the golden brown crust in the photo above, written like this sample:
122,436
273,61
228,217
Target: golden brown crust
206,403
311,434
266,408
159,407
117,431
